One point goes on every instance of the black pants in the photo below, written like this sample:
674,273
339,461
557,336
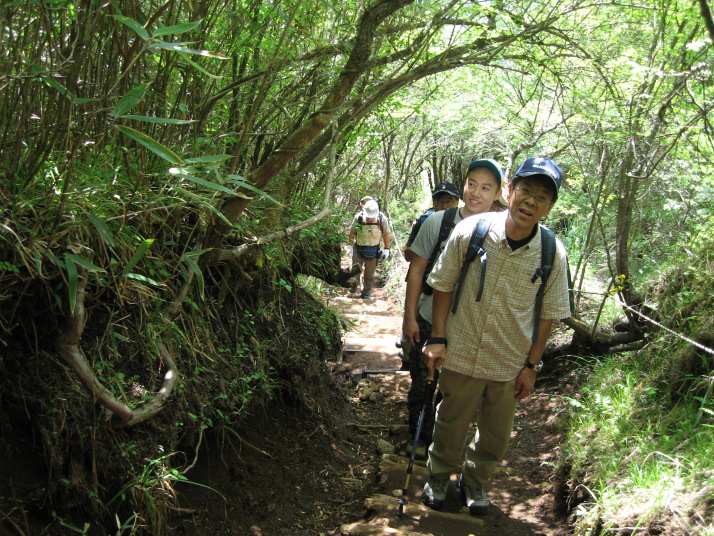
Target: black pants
415,398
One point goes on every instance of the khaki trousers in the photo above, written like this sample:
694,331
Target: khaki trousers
464,397
368,268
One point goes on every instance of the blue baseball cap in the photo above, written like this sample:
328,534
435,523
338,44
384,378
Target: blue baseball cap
537,165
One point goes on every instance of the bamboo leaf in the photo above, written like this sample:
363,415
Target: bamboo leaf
145,279
196,253
84,263
150,144
54,259
201,201
85,100
73,279
176,29
131,99
138,254
131,23
56,85
161,120
195,65
197,272
211,185
242,183
102,229
178,48
208,159
38,261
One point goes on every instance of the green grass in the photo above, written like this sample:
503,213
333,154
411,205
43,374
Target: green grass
642,456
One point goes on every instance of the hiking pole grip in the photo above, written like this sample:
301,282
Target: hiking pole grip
428,395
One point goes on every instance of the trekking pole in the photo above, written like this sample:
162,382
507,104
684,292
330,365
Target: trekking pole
428,395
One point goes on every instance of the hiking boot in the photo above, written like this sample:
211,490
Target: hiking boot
434,493
474,498
422,449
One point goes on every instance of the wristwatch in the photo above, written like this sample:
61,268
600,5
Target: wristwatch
536,367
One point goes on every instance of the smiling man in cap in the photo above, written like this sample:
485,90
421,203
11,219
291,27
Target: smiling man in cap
486,349
482,186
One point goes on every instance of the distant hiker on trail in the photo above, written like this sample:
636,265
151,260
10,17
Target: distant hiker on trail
369,228
445,195
482,186
487,336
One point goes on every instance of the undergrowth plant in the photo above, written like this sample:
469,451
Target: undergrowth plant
639,432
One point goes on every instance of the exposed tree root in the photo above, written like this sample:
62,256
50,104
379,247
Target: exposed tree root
67,345
68,348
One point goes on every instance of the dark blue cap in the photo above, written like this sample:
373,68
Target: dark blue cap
446,188
537,165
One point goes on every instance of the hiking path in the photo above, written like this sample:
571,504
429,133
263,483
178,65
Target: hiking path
524,490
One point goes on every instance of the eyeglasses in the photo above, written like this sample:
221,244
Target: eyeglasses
525,193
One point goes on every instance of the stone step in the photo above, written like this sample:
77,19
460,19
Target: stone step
418,519
362,529
384,344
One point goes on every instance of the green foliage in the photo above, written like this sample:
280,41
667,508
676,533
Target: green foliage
126,133
640,429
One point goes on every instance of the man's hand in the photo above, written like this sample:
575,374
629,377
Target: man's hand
434,357
525,382
385,254
410,330
350,251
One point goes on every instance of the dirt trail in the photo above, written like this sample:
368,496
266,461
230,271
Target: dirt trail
523,492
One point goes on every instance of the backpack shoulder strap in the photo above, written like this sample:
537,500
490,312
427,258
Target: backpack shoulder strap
475,249
547,258
447,225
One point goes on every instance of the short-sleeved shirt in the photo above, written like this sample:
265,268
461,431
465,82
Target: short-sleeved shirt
424,244
490,339
370,234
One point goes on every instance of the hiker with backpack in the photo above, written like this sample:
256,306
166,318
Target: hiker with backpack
491,322
369,229
445,195
482,186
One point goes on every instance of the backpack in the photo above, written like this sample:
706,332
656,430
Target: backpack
361,221
447,225
370,252
475,249
417,225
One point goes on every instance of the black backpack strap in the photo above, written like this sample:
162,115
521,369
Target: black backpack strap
447,225
474,250
547,258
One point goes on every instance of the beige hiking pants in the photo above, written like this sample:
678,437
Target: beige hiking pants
464,397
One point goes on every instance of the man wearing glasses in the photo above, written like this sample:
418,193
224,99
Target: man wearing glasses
485,350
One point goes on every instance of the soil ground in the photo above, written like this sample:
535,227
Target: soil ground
338,467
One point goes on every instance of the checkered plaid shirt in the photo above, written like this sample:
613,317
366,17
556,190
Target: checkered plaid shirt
490,339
